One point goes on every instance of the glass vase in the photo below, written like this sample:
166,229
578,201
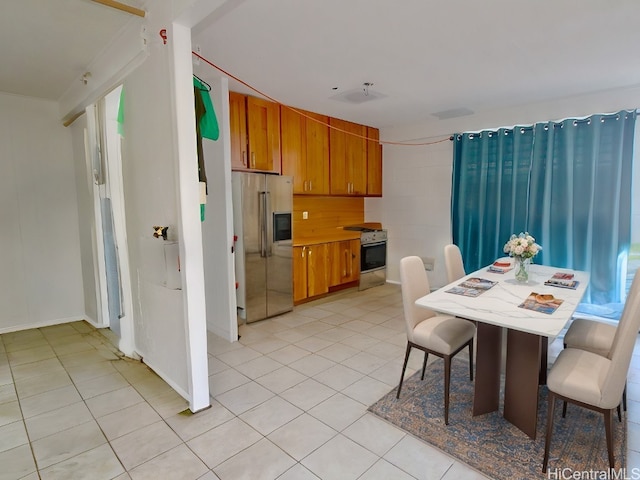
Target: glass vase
522,269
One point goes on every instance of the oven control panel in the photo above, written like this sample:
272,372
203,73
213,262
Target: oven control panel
373,236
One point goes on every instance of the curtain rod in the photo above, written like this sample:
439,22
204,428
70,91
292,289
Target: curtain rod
121,6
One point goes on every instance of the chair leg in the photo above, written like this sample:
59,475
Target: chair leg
471,360
624,397
424,364
619,413
404,368
564,409
447,381
547,441
608,429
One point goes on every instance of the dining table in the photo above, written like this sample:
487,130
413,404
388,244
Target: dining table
531,313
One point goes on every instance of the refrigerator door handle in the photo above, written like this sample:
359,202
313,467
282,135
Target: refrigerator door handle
262,215
268,239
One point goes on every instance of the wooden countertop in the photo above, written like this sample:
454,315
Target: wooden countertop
327,236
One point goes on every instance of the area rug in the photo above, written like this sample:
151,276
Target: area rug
490,444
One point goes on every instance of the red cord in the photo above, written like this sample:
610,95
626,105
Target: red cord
312,118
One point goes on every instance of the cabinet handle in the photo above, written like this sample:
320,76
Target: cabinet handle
310,185
244,158
253,159
303,250
304,187
346,263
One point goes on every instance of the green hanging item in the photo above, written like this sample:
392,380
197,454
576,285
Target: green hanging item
208,123
121,114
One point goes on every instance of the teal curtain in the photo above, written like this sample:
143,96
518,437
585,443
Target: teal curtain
489,191
580,198
567,183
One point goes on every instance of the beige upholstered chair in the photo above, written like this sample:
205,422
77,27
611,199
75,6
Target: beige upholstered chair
441,335
595,337
453,263
590,335
593,381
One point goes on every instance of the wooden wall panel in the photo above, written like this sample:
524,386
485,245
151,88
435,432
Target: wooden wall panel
326,214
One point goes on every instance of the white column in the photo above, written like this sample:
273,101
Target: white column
189,228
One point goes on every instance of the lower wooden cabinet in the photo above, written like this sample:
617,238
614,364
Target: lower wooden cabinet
344,259
319,267
310,271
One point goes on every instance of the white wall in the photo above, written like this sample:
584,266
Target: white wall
151,199
415,207
87,231
217,228
41,276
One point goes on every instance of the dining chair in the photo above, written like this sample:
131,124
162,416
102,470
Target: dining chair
595,337
441,335
453,263
594,381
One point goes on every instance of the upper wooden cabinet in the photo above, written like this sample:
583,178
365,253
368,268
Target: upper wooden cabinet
348,158
255,133
374,163
263,130
305,150
238,129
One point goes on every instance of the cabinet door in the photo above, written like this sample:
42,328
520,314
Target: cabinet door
354,258
317,272
299,273
305,150
293,148
238,129
374,164
317,153
344,261
348,157
263,129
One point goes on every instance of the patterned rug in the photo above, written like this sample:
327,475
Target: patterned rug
488,442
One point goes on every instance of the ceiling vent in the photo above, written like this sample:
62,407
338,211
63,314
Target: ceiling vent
453,113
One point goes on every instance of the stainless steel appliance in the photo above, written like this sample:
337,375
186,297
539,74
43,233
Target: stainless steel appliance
373,256
262,206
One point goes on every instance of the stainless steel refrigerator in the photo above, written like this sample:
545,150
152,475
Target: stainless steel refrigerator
262,220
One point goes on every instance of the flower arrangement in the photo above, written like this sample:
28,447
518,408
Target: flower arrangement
522,246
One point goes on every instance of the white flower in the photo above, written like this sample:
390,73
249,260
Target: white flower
522,245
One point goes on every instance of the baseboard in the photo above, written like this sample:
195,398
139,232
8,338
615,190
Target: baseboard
46,323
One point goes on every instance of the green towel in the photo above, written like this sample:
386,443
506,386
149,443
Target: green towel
209,123
121,113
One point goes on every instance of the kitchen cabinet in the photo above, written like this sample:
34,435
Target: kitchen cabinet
263,131
305,150
238,130
348,158
255,133
374,163
344,260
310,271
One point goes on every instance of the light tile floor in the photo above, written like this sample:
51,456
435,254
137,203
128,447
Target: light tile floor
289,402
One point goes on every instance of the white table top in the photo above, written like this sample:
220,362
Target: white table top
499,305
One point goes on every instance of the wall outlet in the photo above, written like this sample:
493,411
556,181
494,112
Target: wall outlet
428,263
305,215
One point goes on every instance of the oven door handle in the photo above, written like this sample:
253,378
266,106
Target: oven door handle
372,244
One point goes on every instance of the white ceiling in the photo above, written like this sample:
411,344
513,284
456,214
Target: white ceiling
422,56
46,45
